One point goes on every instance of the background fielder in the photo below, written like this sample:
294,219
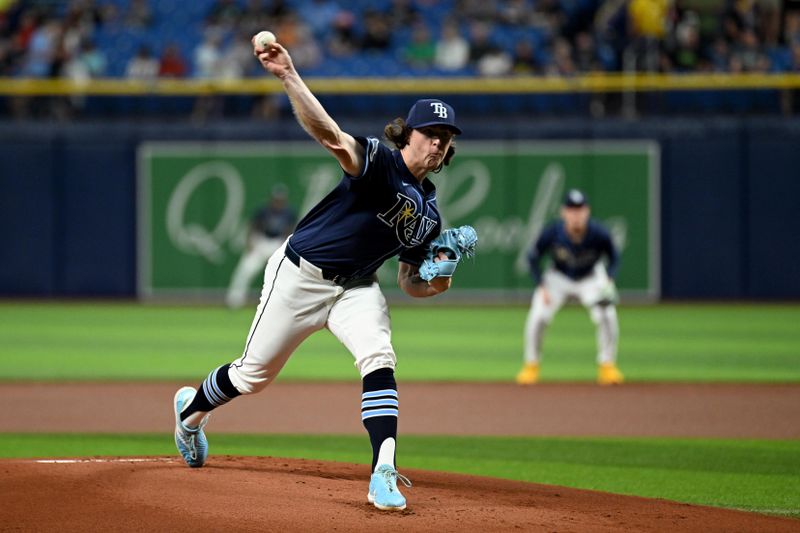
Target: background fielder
577,246
267,229
323,276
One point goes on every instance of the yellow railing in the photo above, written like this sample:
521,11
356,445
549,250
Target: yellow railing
345,86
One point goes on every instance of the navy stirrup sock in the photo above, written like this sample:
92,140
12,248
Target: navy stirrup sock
379,408
216,390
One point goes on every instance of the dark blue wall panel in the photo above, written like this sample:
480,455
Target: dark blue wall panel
773,204
28,218
99,254
701,253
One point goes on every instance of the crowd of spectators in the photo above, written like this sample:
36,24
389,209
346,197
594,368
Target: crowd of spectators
144,39
210,39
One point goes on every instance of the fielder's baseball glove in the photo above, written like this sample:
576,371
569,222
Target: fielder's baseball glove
455,243
608,294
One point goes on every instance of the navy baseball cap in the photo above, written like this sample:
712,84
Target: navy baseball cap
575,198
432,112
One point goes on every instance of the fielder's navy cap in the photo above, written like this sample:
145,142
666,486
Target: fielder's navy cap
432,112
575,198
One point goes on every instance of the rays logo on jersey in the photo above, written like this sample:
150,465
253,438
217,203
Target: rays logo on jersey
411,226
562,254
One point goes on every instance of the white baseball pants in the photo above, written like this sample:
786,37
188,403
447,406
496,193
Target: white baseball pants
588,291
251,263
296,302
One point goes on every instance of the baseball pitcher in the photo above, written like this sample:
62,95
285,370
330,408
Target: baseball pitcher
323,275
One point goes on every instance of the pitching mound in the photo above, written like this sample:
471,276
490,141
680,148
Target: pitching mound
271,494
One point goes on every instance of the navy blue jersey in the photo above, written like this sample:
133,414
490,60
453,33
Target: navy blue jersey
272,222
574,260
369,218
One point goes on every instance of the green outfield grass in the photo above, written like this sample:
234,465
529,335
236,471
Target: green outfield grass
753,475
97,341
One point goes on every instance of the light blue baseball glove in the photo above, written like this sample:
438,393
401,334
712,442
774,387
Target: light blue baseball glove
455,243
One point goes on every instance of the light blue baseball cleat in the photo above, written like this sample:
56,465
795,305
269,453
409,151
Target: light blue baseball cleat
383,492
191,442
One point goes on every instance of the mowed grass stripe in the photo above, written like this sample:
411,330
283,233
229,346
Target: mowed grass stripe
130,341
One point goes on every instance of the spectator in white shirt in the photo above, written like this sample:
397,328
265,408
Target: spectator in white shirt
452,50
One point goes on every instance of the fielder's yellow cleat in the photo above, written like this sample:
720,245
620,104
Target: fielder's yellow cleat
609,374
529,374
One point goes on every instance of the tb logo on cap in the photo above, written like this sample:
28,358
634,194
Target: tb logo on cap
439,109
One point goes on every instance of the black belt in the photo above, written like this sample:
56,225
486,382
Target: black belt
343,281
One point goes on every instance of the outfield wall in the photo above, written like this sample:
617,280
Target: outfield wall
195,199
726,199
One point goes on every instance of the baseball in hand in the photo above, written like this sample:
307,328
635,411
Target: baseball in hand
264,39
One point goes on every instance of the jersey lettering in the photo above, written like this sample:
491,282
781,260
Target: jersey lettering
573,260
424,228
410,225
404,207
